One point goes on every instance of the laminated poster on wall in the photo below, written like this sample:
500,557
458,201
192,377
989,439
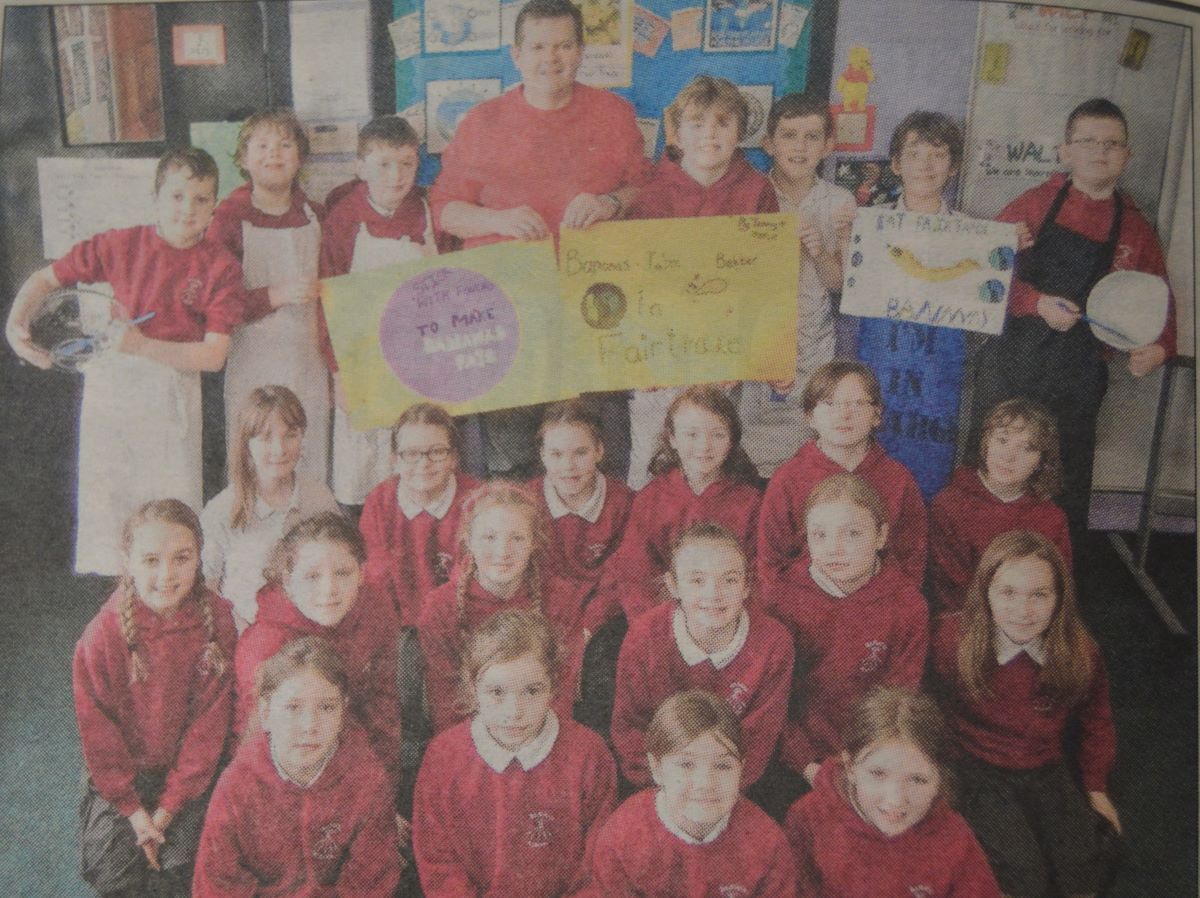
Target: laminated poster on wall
740,26
446,102
941,270
330,43
607,43
461,26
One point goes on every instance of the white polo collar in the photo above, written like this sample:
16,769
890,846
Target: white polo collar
263,511
660,807
1007,650
528,755
591,509
437,509
287,778
826,584
693,654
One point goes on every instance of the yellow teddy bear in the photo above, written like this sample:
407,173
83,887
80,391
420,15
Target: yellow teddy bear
855,82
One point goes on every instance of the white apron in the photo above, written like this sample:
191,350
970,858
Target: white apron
361,460
282,347
139,439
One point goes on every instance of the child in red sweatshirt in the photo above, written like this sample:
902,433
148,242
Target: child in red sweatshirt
304,807
1013,488
509,802
877,822
693,835
857,622
410,521
1017,669
843,403
702,473
315,589
153,697
502,549
707,639
702,173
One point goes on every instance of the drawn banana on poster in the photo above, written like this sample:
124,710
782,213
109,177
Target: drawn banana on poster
942,270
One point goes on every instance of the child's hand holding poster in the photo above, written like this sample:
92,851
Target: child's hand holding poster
943,270
680,301
473,331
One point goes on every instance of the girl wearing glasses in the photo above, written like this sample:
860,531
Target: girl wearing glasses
410,521
843,404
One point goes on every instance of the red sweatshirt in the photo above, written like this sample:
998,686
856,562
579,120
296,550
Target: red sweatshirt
506,153
1017,728
366,640
529,833
877,635
192,292
176,719
1137,249
406,558
638,857
226,229
781,525
840,855
673,193
442,638
580,548
756,683
264,836
963,520
663,509
340,229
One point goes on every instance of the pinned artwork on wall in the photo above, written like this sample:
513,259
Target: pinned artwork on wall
198,44
461,26
740,26
854,117
759,98
1137,45
446,102
608,33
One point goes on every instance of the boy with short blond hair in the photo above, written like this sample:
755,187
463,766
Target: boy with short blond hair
382,219
799,138
702,173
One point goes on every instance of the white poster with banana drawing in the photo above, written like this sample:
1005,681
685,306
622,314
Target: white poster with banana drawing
942,270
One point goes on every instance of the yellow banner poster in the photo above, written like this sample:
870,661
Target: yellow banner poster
472,331
680,301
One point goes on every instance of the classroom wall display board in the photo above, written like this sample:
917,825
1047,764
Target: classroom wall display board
644,52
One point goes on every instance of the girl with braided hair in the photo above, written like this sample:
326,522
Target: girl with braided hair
502,549
153,697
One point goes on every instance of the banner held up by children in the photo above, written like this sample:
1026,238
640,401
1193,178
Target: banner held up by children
670,302
941,270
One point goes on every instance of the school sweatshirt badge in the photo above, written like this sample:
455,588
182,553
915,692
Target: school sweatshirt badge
739,697
191,291
442,562
326,848
733,891
876,652
539,835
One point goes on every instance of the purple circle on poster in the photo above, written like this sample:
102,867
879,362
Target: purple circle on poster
449,334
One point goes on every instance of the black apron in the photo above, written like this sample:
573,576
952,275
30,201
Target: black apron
1033,358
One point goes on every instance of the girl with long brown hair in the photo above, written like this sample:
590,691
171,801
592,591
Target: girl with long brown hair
1018,670
265,497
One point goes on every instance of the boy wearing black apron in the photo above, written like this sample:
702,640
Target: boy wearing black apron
1082,228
